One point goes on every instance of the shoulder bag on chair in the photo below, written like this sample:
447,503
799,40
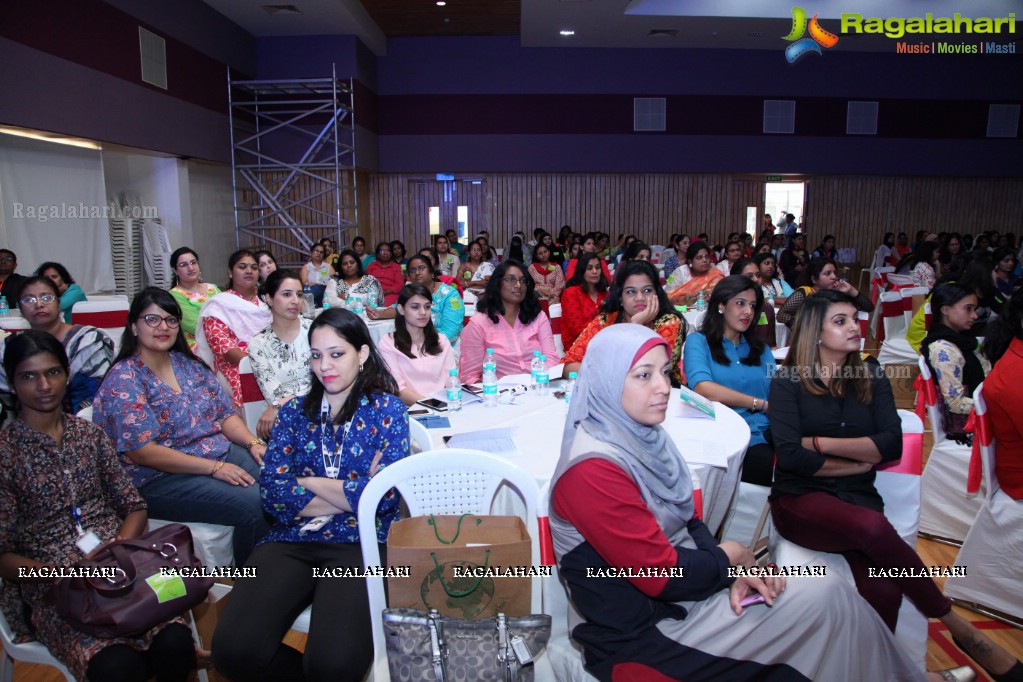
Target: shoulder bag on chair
430,647
140,595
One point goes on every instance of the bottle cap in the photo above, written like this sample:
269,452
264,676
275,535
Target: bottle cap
452,372
490,350
543,358
572,375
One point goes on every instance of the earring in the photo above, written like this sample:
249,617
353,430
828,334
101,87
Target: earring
721,311
360,368
818,342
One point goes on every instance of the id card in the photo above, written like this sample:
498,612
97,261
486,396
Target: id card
317,523
88,541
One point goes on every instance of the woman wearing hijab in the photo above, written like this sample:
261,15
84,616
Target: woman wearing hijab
621,496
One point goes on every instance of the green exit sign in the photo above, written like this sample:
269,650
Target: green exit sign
773,178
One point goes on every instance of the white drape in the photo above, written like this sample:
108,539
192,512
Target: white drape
54,209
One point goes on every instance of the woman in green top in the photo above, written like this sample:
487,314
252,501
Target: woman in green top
70,293
188,290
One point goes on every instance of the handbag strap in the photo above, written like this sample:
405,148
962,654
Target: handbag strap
452,593
458,528
436,645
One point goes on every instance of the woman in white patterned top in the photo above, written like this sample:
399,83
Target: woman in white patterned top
280,353
352,281
447,262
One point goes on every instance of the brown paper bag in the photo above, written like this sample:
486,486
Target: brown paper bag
458,565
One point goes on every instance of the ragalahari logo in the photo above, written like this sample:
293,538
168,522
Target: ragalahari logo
818,36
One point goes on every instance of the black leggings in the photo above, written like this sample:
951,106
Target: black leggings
170,658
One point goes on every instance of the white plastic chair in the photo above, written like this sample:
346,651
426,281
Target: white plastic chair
994,543
27,652
253,402
554,312
445,481
420,437
947,510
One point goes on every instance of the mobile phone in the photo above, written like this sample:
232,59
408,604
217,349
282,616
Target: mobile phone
433,404
418,413
752,599
472,388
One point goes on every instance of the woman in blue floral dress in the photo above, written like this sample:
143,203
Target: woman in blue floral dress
325,448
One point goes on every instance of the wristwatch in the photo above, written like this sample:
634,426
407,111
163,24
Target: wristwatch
255,441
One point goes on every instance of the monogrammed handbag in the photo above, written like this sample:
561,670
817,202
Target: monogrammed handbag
430,647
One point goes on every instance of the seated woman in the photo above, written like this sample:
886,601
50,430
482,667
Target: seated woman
636,296
189,290
584,294
475,272
950,250
509,320
398,252
317,465
763,326
49,460
359,248
1003,392
826,248
516,249
279,354
387,272
557,255
587,245
70,293
636,250
952,354
793,260
229,320
447,262
833,419
547,276
317,273
733,254
821,275
775,288
726,363
417,356
1003,257
447,311
188,453
676,253
266,262
352,281
686,283
920,264
89,350
886,255
622,495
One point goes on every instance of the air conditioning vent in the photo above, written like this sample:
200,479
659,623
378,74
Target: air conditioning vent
1003,120
861,118
648,114
779,116
153,50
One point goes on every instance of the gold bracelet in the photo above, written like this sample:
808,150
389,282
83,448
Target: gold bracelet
217,467
255,441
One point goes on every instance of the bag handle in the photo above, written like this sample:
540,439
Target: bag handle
440,577
458,529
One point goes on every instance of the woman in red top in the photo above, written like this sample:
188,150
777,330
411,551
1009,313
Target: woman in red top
387,272
589,245
582,298
1002,390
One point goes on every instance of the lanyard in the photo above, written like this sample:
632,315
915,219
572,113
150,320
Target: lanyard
331,460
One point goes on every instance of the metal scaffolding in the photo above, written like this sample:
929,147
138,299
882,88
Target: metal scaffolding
293,157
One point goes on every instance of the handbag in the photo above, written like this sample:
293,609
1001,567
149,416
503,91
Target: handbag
140,595
430,647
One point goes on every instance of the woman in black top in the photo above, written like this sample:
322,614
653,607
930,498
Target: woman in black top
833,419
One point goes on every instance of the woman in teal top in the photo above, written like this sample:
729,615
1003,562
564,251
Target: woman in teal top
448,311
725,363
70,293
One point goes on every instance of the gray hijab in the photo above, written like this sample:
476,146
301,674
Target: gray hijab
647,451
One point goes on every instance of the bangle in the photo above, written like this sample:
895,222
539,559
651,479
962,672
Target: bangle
754,404
255,441
217,467
817,445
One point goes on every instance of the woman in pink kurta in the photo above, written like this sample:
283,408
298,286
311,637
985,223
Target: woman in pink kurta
387,272
509,321
418,357
549,279
229,320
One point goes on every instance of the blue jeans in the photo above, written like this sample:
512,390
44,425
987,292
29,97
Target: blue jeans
201,498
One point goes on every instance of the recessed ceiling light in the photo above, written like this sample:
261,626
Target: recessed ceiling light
441,3
567,32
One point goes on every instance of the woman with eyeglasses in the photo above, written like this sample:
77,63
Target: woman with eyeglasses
387,272
733,254
447,311
636,297
317,273
398,251
70,293
418,357
230,319
176,432
89,350
353,281
509,320
359,247
727,363
189,290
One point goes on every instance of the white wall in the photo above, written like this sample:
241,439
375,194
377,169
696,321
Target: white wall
210,214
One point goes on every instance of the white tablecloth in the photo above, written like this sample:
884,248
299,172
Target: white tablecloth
540,420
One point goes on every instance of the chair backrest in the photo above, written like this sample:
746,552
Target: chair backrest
554,312
420,436
253,403
907,301
893,314
109,315
986,437
896,282
929,395
911,461
445,481
864,319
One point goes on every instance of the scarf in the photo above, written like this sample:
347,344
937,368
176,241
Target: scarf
239,314
973,372
646,452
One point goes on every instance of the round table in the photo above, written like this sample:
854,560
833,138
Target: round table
539,422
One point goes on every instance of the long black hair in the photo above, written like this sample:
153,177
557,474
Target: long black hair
373,377
814,269
713,325
923,253
578,277
61,270
233,260
627,269
402,338
163,300
273,282
178,253
633,249
20,347
492,304
1000,333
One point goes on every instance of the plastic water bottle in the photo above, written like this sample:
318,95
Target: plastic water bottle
326,305
570,386
770,296
701,302
454,391
357,306
4,308
534,368
309,303
489,358
543,377
489,385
